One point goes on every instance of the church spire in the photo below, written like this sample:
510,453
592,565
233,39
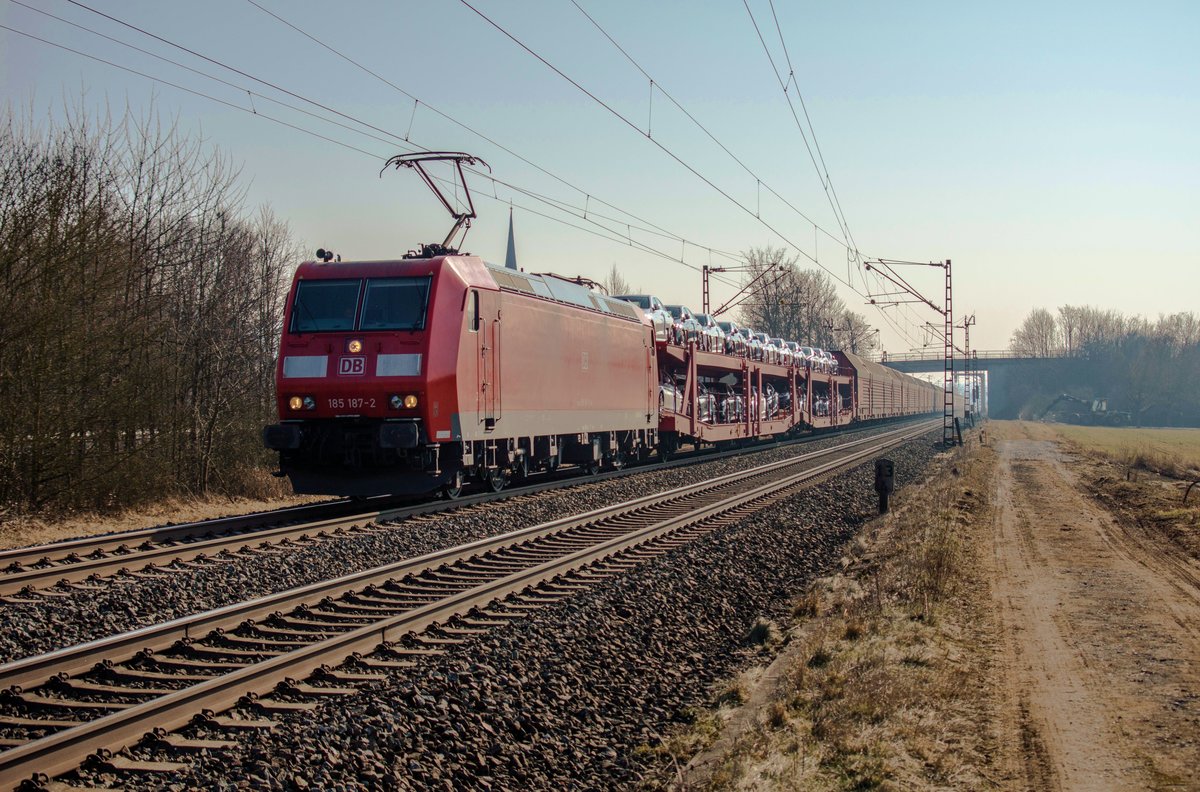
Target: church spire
510,258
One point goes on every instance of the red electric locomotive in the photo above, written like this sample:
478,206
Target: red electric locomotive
403,377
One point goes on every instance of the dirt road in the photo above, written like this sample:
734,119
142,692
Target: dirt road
1099,667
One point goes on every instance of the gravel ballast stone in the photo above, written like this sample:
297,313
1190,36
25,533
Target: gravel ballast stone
131,603
574,695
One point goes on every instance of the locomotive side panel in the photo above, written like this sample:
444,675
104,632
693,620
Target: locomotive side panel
545,368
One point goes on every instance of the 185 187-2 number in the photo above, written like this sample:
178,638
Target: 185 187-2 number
351,404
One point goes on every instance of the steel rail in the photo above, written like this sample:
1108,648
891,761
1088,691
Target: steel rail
16,582
57,552
112,542
37,670
62,751
78,571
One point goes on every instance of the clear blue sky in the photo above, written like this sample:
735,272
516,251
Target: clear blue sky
1049,149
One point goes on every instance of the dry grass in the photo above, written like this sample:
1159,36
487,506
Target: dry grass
1141,475
764,632
20,530
1168,452
880,682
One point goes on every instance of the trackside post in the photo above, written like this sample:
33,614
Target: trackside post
885,481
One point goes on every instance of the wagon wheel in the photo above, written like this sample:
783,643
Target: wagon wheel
667,446
496,480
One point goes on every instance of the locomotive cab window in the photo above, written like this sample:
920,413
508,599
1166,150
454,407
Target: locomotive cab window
395,304
324,306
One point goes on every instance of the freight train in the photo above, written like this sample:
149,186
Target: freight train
426,373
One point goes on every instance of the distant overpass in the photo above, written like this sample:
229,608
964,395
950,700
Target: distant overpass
931,360
1000,367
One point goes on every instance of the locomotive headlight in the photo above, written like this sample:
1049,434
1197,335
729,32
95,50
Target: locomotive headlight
295,402
310,403
396,402
354,347
410,401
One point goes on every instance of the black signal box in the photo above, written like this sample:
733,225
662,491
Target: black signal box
885,475
885,481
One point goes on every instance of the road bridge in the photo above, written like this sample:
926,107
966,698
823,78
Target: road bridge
1004,372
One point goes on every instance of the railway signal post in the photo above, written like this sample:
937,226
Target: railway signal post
885,482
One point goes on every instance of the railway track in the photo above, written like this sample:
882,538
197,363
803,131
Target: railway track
64,568
24,570
57,710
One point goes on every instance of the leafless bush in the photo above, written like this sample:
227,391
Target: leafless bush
139,311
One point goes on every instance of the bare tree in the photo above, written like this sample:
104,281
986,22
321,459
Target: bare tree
855,334
614,283
1068,323
1038,335
1099,327
1182,329
796,304
139,314
1150,369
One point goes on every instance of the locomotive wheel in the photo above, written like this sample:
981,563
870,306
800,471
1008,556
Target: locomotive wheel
496,480
591,469
453,489
617,461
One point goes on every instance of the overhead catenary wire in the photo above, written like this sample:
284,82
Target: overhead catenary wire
192,91
198,72
804,107
625,120
658,85
847,242
823,169
364,123
824,177
652,228
395,139
624,238
233,69
462,125
625,241
586,214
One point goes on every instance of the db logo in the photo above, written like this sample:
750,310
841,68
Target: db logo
352,365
